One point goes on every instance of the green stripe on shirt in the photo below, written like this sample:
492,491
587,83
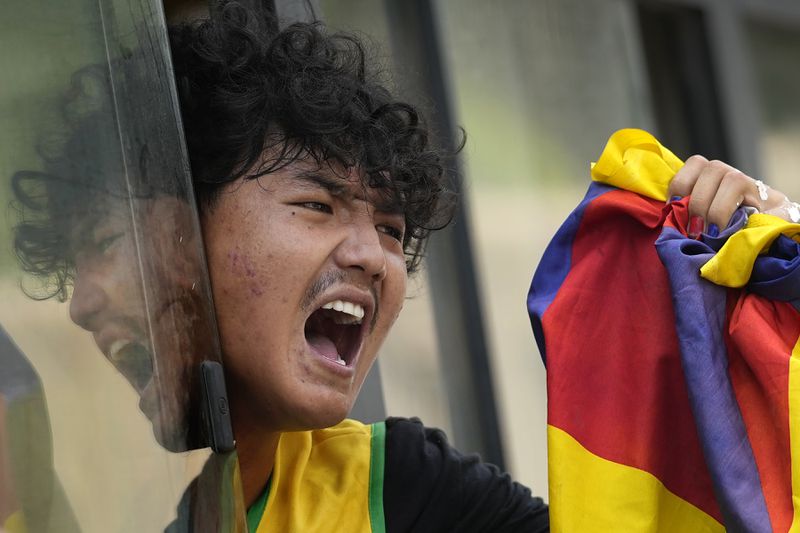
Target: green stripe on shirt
256,511
376,467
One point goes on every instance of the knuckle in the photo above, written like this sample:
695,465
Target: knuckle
697,158
735,177
742,182
718,165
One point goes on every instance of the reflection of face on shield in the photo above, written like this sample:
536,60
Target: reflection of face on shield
118,239
135,290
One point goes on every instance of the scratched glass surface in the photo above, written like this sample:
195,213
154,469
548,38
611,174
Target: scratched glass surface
105,308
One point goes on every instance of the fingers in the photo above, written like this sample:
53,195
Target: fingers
716,189
684,180
735,189
706,188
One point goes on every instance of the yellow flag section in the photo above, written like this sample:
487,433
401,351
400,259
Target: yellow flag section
733,264
327,480
794,432
612,496
635,161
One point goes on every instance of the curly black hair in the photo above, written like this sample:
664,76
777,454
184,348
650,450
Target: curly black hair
84,175
253,99
248,90
77,168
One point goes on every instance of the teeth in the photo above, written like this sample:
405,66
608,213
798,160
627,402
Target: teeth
117,347
355,311
341,361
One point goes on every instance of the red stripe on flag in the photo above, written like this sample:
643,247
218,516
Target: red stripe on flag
634,408
760,338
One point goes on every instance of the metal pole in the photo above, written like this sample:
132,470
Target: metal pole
451,269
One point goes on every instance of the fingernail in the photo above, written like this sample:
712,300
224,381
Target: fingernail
713,230
696,225
675,199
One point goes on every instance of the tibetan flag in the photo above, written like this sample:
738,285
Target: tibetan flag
673,364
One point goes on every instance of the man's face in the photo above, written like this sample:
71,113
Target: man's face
139,301
308,276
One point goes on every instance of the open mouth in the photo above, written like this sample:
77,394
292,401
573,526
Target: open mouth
335,331
134,361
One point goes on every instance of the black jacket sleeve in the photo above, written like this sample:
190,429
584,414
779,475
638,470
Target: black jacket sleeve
429,486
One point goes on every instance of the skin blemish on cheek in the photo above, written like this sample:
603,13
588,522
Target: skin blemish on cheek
249,268
242,265
256,291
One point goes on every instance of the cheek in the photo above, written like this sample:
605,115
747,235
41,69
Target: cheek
246,286
125,279
393,294
395,285
246,274
258,284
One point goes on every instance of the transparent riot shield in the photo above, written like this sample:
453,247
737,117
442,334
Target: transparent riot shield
113,415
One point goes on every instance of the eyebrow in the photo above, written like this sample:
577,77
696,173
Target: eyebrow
336,187
332,185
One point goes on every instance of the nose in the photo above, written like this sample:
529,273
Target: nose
362,250
88,300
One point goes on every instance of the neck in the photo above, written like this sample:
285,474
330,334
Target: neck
256,458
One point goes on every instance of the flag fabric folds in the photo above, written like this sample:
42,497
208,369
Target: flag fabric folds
673,364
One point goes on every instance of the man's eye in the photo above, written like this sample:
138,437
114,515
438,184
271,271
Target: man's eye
317,206
395,233
104,244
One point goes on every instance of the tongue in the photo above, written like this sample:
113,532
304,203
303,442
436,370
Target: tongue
324,346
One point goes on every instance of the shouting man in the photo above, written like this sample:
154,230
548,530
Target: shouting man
317,191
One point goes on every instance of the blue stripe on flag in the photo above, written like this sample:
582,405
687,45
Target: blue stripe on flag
700,314
555,265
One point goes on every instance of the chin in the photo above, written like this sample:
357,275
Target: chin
171,437
173,428
331,419
312,417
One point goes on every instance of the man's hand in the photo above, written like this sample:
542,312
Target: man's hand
717,190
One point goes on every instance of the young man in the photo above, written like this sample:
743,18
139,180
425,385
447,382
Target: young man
317,191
